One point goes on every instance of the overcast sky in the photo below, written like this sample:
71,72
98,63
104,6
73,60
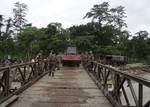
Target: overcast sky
71,12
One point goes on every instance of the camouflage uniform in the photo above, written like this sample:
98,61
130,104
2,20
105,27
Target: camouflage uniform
90,61
85,59
7,61
82,58
39,59
52,64
58,61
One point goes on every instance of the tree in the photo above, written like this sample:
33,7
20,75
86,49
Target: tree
124,43
19,12
9,25
1,24
142,34
107,16
6,41
82,30
117,17
84,43
139,45
99,12
109,22
27,42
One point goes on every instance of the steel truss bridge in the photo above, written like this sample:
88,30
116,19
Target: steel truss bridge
71,86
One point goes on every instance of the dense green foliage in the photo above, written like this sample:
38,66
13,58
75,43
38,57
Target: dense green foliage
105,34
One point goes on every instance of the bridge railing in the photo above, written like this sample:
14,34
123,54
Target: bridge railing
16,78
121,88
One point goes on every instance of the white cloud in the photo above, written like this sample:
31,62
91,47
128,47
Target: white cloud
71,12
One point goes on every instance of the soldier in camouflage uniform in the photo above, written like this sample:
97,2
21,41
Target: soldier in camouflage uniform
52,64
58,61
90,60
39,59
85,59
7,61
82,58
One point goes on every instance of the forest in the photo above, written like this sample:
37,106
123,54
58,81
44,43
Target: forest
106,33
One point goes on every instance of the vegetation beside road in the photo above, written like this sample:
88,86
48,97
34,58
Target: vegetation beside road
105,34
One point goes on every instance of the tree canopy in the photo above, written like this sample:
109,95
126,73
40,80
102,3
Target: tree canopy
105,34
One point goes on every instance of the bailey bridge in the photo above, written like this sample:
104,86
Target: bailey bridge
29,85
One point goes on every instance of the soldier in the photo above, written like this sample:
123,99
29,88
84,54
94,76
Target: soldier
7,61
84,58
15,61
39,59
52,63
58,61
90,60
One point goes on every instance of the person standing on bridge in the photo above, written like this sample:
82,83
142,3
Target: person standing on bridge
58,61
52,64
90,60
38,59
84,58
7,61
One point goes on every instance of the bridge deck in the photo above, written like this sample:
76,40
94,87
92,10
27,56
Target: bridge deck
70,87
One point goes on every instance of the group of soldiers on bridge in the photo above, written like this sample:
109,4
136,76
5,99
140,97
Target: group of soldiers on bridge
112,81
87,60
53,59
54,62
